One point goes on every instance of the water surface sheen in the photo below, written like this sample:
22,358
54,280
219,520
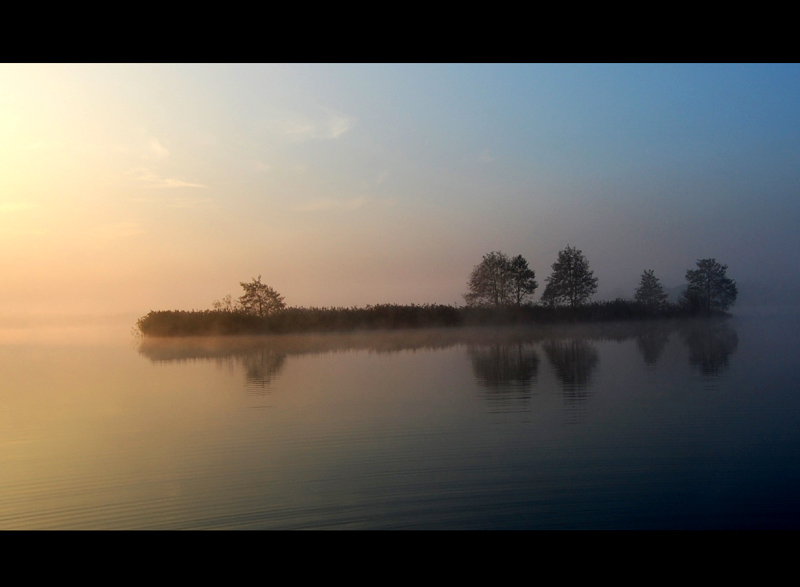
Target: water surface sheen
662,425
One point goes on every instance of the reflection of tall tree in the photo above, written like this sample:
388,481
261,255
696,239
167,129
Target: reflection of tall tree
651,343
261,359
710,342
261,366
500,364
507,370
573,360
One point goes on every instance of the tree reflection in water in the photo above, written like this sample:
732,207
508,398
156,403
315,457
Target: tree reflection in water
573,360
651,342
261,367
262,362
711,343
506,371
504,360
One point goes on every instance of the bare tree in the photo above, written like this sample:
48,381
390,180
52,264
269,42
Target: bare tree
224,305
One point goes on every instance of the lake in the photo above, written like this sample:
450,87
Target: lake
663,425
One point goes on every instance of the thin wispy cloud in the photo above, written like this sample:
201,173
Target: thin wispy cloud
321,204
260,166
354,203
337,126
170,182
189,202
326,125
151,180
156,149
173,201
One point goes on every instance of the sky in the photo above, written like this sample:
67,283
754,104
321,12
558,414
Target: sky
126,188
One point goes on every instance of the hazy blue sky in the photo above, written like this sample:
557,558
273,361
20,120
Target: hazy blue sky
126,188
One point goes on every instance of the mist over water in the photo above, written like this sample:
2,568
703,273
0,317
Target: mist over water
670,424
374,196
49,329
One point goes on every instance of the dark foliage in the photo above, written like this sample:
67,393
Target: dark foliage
650,291
500,281
382,316
709,288
260,299
392,316
572,282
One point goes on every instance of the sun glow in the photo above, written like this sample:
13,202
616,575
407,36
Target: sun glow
146,186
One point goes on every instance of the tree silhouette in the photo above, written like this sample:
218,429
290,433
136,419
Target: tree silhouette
650,293
571,281
260,299
709,288
224,305
523,280
500,281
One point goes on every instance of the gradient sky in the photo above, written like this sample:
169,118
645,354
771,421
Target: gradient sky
129,188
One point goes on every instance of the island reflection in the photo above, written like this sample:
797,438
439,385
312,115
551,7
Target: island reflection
574,360
711,343
506,371
504,361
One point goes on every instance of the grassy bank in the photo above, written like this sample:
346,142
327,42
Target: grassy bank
390,316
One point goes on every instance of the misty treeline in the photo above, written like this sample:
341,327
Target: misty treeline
500,291
500,281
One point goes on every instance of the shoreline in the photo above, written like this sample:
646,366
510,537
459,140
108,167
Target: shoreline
183,323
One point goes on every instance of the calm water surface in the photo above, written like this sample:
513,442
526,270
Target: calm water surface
667,425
